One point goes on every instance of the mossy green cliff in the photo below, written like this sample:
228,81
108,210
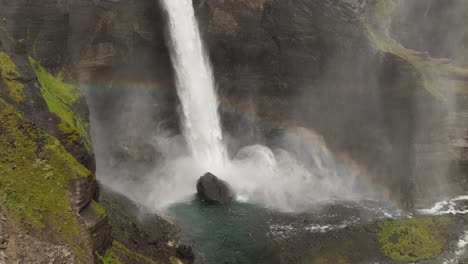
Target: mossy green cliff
35,171
119,254
9,77
61,98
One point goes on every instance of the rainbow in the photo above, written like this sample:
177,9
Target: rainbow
305,136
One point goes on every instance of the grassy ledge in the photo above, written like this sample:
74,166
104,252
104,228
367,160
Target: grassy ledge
98,209
119,254
35,171
60,98
9,77
411,240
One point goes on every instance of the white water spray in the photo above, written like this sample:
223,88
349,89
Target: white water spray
282,178
195,87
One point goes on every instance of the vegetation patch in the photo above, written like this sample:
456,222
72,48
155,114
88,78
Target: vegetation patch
411,240
382,8
331,259
35,170
60,98
440,77
9,77
98,209
119,254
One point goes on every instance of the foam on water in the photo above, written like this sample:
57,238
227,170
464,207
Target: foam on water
453,206
461,250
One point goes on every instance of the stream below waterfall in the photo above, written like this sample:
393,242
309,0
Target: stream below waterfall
246,233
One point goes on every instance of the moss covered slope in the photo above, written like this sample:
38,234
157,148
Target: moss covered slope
61,98
9,76
35,171
119,254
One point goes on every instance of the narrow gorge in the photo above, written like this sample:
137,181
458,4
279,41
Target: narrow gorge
326,131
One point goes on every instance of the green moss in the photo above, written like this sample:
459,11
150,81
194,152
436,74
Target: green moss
382,8
35,171
174,260
119,254
60,98
9,77
4,20
331,258
438,76
411,240
117,212
98,208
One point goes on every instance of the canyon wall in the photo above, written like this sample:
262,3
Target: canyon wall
354,71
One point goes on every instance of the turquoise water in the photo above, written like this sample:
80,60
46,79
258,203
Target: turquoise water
237,234
244,233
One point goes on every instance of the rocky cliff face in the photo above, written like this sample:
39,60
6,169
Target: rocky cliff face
48,191
334,66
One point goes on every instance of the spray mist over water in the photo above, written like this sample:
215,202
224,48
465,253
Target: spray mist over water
195,86
288,178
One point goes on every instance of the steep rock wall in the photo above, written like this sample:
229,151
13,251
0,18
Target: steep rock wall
282,64
48,186
317,64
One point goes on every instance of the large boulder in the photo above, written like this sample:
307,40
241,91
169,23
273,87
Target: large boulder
214,190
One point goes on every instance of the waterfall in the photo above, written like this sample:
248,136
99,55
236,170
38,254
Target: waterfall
288,178
195,87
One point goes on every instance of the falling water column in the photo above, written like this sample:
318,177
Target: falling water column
195,87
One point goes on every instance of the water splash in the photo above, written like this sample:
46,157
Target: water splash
288,178
195,86
460,252
458,205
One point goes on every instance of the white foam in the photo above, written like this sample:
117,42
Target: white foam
447,207
461,250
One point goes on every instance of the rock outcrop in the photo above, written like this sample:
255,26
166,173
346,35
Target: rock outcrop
214,190
47,165
48,191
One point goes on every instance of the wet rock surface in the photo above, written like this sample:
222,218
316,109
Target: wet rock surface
143,232
214,190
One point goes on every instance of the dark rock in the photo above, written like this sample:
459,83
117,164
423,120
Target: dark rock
185,253
212,189
142,232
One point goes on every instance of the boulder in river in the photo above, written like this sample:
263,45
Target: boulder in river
214,190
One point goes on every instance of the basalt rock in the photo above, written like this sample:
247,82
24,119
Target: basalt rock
214,190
